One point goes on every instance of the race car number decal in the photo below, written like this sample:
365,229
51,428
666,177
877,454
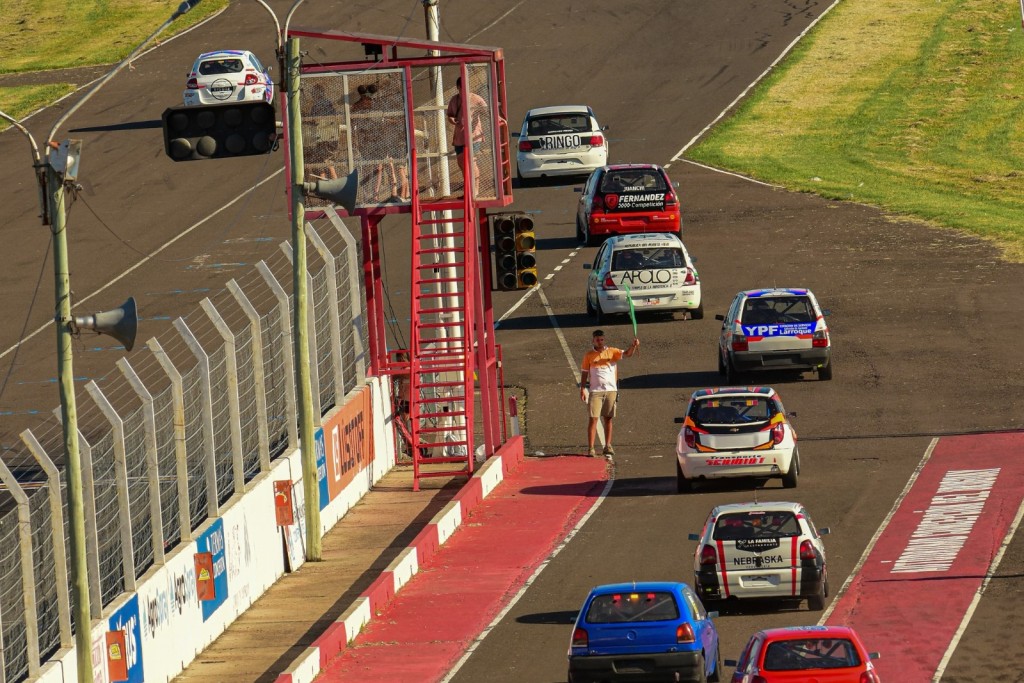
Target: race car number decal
646,277
737,460
648,200
778,330
560,141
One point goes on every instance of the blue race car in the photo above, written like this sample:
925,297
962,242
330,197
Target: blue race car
646,631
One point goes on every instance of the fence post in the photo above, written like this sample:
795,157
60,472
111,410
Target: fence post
259,380
335,321
156,515
285,311
212,494
180,443
60,556
234,412
124,509
28,572
352,254
314,377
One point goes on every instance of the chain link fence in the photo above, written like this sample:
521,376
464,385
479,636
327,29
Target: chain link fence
191,419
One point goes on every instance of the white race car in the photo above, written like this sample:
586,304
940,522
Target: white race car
228,76
735,432
560,141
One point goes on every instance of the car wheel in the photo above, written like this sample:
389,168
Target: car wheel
817,601
790,477
702,675
599,313
680,233
591,311
683,485
732,375
716,675
588,238
721,364
697,313
581,236
825,373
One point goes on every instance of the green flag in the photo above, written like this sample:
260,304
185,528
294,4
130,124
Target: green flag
632,311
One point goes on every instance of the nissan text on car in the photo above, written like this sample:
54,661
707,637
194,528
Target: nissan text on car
760,550
774,329
560,141
735,432
646,272
644,631
228,76
627,198
826,654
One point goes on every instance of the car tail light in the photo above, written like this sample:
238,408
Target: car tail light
597,204
778,433
192,84
708,555
739,342
690,279
609,283
870,677
596,141
820,339
251,79
579,638
611,200
807,551
525,145
671,200
690,437
684,634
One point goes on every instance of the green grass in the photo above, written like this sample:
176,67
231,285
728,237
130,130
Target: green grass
915,106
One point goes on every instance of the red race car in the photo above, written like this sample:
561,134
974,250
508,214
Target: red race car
624,199
825,654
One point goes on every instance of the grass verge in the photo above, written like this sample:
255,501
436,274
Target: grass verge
914,106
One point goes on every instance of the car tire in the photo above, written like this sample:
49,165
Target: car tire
702,675
581,236
816,602
680,233
591,311
588,238
697,313
721,365
683,485
732,375
599,313
825,373
716,675
789,478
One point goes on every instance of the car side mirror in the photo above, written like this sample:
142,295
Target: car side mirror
791,414
693,537
730,662
577,189
587,266
679,420
713,615
826,311
606,127
874,655
719,316
824,531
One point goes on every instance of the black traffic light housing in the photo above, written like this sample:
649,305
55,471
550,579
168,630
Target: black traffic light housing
515,247
219,131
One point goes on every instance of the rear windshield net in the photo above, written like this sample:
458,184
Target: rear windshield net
777,309
811,653
619,607
741,410
626,181
552,125
212,67
741,526
647,259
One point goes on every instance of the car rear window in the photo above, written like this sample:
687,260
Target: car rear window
736,410
212,67
741,526
811,653
645,606
625,181
776,310
648,258
558,123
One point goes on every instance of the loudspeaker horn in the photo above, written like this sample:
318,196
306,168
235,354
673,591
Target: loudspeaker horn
341,191
121,323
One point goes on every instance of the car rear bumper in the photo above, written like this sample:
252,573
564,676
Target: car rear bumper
536,166
808,359
630,224
588,669
687,299
770,463
193,98
709,587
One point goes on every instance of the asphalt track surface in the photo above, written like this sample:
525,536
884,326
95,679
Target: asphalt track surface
927,341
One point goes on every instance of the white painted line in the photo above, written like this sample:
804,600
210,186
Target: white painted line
878,532
141,263
512,310
557,268
977,596
529,582
549,276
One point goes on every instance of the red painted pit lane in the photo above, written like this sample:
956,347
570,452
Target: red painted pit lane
909,605
433,620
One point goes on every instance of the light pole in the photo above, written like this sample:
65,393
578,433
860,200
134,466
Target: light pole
53,175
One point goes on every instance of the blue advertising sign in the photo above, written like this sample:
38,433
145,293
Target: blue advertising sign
321,467
127,619
779,330
212,541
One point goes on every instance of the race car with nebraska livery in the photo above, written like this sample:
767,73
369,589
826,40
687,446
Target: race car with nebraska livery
761,550
735,432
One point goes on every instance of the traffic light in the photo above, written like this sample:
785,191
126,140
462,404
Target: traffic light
526,251
505,251
219,131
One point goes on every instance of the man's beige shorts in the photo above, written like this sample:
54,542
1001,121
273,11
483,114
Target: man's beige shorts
602,403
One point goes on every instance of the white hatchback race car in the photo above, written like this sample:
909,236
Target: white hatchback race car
645,272
560,141
760,550
735,432
227,76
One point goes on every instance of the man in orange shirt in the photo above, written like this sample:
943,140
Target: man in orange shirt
599,385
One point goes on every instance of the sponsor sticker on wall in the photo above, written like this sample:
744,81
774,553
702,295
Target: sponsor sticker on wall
212,541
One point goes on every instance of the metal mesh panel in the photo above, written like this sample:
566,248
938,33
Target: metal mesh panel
44,564
107,523
247,403
138,490
12,604
275,378
195,446
324,359
348,330
167,463
223,452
